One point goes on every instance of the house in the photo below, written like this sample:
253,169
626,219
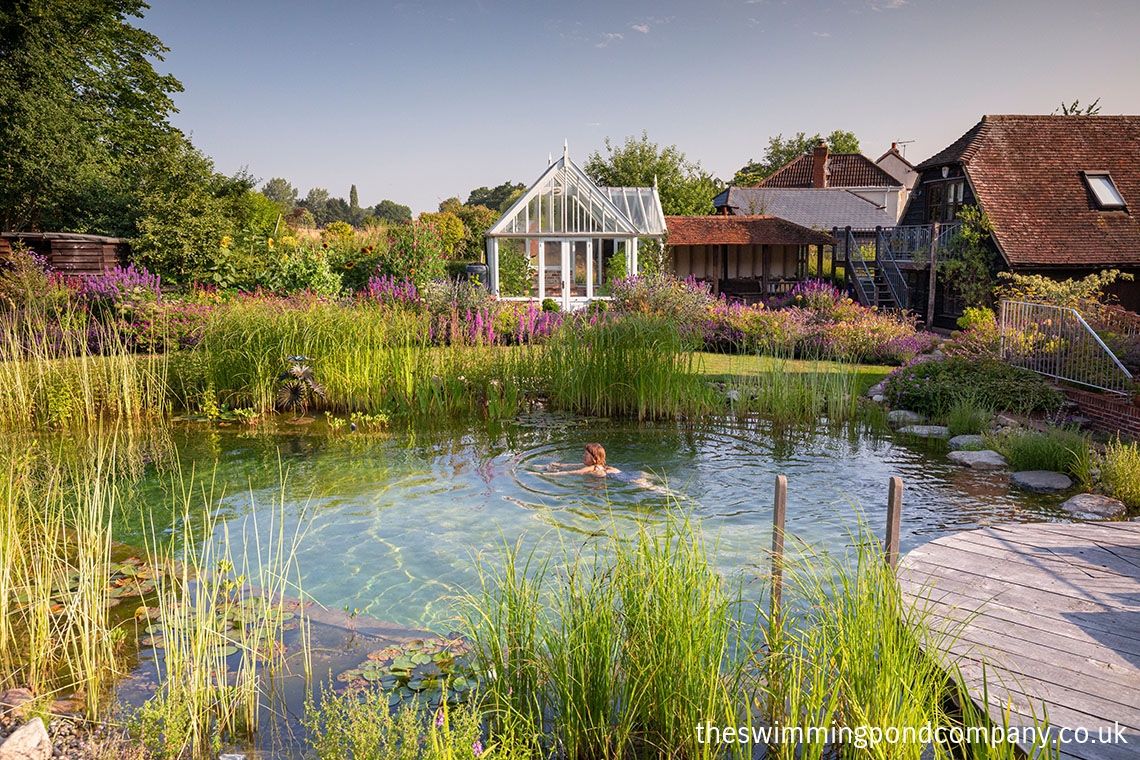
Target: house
749,257
853,172
566,238
1062,194
820,209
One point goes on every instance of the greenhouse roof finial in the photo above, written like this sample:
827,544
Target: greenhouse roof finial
549,159
565,149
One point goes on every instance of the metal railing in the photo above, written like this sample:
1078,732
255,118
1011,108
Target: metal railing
862,277
905,243
1057,342
889,267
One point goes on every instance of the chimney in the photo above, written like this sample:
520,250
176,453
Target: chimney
819,165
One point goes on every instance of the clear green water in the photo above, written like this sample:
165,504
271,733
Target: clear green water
395,522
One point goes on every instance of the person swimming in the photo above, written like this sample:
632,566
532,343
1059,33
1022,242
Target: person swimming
593,463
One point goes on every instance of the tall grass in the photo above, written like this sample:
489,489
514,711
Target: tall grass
619,657
1055,449
1120,472
370,359
50,376
786,398
55,563
636,366
221,615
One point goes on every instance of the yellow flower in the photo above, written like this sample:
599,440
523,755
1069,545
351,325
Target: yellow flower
270,242
226,241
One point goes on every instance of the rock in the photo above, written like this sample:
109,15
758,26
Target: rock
29,742
878,398
1004,420
967,443
1041,481
900,417
231,756
926,431
1092,506
978,460
12,702
875,390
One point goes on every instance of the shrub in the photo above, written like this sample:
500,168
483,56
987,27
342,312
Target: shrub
934,387
415,252
1120,472
1056,450
685,302
26,282
549,304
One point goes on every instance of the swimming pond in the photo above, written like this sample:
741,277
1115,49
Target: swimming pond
394,524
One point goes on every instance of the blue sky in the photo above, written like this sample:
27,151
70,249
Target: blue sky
420,101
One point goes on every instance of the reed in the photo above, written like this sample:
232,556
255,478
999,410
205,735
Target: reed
825,392
1056,449
637,366
51,377
222,611
56,636
370,358
619,656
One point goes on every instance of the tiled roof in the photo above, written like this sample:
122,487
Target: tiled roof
741,230
1026,174
843,170
816,209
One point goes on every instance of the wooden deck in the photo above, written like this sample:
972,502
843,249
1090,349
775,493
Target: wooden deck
1053,612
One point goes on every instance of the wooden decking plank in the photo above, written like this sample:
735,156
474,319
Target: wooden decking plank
1050,612
1093,560
1043,606
1119,544
1089,651
1078,661
1080,688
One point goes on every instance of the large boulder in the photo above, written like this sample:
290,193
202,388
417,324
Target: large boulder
29,742
14,703
967,442
1093,506
1041,481
926,431
978,460
900,417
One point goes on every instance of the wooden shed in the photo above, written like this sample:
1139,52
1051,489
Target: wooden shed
71,252
750,257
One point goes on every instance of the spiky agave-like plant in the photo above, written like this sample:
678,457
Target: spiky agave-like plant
298,387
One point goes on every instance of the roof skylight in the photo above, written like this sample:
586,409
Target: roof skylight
1105,192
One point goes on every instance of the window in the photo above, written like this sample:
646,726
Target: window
1103,189
944,199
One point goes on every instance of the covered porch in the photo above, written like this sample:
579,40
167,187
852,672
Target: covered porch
748,257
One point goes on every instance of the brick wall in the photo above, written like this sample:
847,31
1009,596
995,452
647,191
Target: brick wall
1110,414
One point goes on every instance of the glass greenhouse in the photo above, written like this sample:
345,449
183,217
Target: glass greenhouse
568,239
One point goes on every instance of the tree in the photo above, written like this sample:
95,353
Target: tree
476,221
1075,109
84,113
317,202
281,192
781,152
493,198
684,187
355,212
392,212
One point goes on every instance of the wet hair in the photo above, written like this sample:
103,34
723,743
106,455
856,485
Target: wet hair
595,452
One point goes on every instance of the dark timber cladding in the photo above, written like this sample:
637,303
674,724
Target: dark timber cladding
1045,619
70,252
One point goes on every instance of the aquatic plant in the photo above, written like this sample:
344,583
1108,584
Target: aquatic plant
1055,449
297,387
1120,472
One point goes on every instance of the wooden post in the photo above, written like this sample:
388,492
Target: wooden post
894,522
932,282
819,263
779,518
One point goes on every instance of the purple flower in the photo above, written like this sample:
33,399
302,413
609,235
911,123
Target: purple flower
477,748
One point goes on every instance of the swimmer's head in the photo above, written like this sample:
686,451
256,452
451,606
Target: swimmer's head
595,455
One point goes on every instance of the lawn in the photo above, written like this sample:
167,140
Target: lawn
724,366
